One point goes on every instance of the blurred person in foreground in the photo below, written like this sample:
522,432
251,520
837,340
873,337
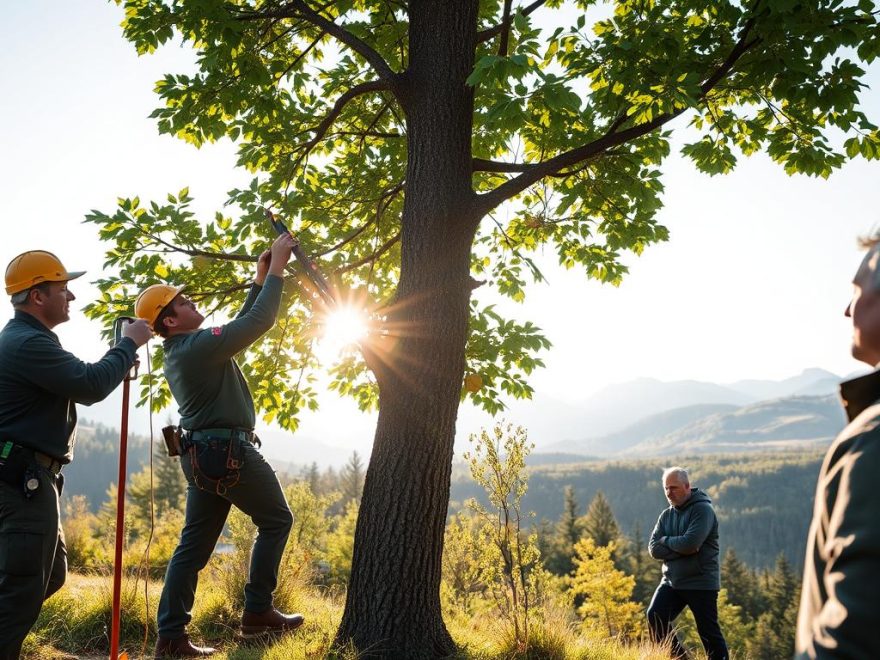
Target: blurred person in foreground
839,615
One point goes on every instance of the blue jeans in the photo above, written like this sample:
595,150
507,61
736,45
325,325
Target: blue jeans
258,494
668,603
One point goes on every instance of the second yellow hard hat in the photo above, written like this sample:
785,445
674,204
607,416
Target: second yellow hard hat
153,300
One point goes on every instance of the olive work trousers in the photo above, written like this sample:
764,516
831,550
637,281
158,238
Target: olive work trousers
33,557
258,494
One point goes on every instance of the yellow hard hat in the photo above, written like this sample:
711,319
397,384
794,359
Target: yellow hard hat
34,267
153,300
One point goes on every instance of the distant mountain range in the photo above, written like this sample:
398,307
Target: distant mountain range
691,417
643,417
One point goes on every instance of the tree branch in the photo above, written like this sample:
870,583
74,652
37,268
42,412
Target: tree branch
612,137
299,9
483,165
358,90
199,295
383,201
322,128
387,245
299,57
504,25
505,32
194,252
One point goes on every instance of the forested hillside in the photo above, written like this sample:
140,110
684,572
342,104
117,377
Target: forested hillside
95,462
764,501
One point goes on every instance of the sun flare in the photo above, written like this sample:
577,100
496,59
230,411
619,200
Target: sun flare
343,328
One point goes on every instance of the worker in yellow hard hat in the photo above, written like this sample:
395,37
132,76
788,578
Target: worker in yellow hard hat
220,459
40,383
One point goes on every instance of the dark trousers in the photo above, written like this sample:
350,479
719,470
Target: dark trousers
258,494
668,603
33,558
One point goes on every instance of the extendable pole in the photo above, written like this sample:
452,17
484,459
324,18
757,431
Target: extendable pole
120,501
120,522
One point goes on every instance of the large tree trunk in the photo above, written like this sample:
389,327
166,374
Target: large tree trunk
393,603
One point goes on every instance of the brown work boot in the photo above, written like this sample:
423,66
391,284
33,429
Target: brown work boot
270,622
180,647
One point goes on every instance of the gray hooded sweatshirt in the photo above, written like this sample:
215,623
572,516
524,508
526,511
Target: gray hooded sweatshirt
685,538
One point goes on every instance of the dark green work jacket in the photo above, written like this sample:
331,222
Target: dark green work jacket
40,382
200,368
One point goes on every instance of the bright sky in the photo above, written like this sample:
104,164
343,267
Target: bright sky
752,284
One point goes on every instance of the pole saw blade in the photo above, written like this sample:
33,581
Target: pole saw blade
318,282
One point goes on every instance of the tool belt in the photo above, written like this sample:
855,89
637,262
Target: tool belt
216,456
19,466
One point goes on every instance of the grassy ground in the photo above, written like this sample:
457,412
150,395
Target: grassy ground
75,621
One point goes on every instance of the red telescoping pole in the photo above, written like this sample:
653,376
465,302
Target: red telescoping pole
120,504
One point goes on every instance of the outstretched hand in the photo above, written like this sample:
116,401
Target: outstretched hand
280,253
263,267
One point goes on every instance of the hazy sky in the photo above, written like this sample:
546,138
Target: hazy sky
752,284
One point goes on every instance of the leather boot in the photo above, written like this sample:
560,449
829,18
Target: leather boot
270,622
180,647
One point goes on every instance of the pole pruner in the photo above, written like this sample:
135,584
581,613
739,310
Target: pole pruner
317,285
120,497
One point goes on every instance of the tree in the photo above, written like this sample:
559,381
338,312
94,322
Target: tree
775,627
599,523
605,590
312,477
741,584
389,134
644,569
782,589
352,479
498,463
568,532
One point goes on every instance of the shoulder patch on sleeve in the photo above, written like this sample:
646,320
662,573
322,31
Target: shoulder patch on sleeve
216,330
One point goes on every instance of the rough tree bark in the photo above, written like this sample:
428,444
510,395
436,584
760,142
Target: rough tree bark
393,603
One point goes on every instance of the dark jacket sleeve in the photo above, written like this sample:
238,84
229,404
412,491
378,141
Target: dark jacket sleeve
849,620
52,368
657,549
700,523
253,292
220,344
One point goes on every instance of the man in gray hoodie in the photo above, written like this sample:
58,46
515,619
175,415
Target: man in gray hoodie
685,539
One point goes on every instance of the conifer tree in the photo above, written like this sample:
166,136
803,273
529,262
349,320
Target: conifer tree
312,477
351,479
644,569
782,588
569,529
775,628
600,524
605,592
741,584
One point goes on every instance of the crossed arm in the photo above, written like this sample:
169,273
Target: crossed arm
665,546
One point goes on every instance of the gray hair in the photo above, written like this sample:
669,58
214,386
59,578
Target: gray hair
680,473
22,297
